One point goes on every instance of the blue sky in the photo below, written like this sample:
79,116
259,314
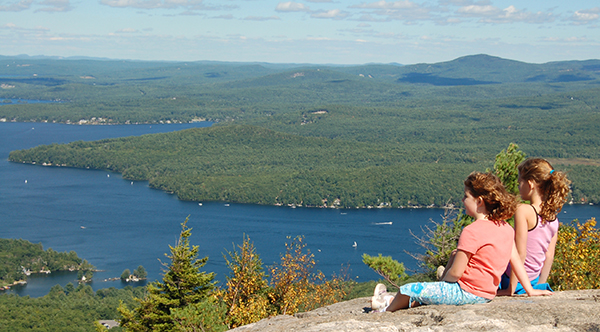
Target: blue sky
302,31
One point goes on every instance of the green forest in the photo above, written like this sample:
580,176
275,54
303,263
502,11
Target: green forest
377,135
69,308
21,257
88,91
345,136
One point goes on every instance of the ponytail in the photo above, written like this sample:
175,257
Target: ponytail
555,189
553,185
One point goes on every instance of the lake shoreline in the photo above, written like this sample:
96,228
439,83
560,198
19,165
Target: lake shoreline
293,206
108,122
128,225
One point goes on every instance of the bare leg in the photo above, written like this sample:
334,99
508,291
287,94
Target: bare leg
400,301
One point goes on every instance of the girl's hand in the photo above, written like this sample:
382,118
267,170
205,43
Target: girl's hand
539,292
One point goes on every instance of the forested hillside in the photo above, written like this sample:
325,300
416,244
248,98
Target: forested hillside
69,308
255,165
19,257
350,136
133,91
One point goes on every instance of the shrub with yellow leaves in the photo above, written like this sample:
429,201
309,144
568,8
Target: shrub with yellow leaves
295,287
294,284
577,257
245,291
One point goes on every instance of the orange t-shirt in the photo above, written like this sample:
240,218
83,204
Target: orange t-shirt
490,244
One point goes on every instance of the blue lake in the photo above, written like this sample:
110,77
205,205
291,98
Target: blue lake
116,224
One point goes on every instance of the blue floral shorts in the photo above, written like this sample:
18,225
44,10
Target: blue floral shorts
440,292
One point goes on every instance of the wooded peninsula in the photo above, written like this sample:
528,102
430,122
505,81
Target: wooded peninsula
20,258
341,136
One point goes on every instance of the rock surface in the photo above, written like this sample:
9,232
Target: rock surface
563,311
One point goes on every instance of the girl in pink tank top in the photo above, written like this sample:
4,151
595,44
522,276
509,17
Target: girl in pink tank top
536,224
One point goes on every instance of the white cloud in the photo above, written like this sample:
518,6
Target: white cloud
334,14
585,16
55,6
12,26
491,14
127,30
371,18
394,10
190,12
461,2
261,18
9,26
478,10
291,6
387,5
448,21
155,4
566,40
16,6
224,17
319,1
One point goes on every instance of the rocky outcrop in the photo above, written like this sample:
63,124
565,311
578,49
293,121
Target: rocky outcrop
563,311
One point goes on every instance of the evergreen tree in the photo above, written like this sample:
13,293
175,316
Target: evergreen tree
183,284
140,272
125,275
505,167
69,288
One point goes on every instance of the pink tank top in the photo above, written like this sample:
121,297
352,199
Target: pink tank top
538,240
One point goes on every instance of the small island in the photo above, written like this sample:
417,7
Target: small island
138,274
20,258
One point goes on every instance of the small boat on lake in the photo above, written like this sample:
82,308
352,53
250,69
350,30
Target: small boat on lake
383,223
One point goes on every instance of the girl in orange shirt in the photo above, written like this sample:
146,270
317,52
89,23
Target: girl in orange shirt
484,249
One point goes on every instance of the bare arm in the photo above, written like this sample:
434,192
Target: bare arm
449,264
519,271
511,287
456,266
549,260
523,218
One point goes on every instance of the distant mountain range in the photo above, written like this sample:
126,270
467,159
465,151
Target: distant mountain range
440,121
478,69
485,69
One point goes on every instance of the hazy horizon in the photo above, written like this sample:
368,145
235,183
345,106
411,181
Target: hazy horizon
310,31
78,57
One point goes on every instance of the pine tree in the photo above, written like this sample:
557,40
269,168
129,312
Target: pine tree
183,284
140,272
505,167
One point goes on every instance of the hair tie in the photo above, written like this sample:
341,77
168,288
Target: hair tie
552,171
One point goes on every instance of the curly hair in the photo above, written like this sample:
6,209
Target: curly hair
553,184
499,203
